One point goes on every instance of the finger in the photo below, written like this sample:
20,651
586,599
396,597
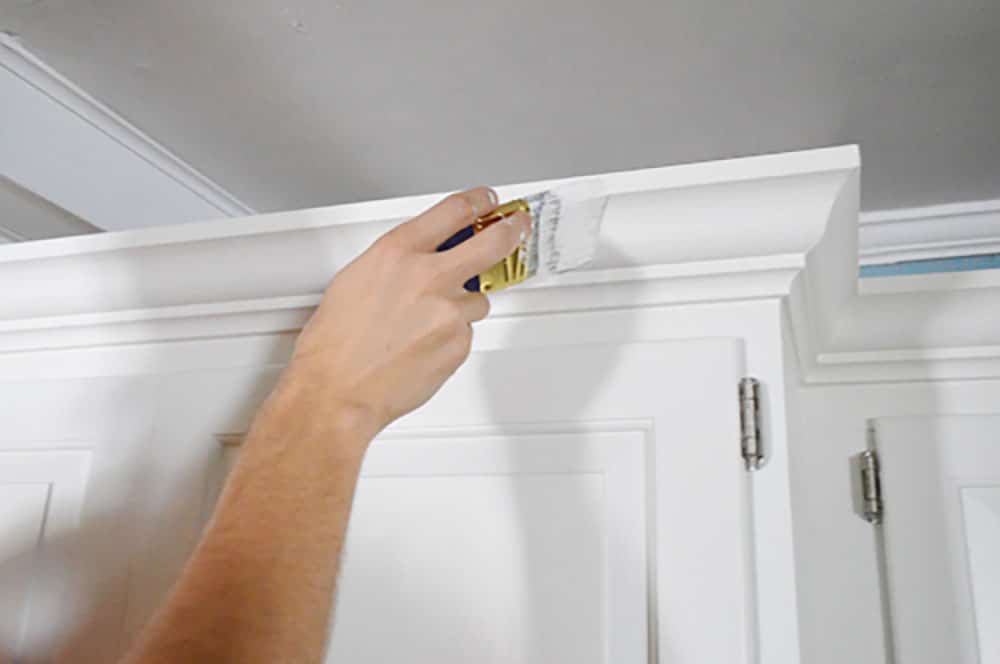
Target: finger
428,230
474,306
486,248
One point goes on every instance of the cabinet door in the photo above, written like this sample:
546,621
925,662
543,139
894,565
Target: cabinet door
71,487
574,504
941,487
41,495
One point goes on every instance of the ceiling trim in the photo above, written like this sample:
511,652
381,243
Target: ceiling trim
67,147
928,233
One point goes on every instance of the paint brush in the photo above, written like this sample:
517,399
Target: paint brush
565,228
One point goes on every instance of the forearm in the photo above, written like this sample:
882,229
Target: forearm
390,329
260,585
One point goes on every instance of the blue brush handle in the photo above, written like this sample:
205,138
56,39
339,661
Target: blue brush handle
472,285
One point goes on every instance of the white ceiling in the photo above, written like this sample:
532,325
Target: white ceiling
291,105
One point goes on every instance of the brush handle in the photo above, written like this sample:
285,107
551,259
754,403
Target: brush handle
472,285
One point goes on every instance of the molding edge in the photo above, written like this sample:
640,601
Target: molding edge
927,233
32,71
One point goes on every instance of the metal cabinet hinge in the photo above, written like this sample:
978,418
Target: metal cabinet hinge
871,487
750,441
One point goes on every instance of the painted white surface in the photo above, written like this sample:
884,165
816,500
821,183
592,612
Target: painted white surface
938,231
46,491
25,216
65,147
837,566
548,488
82,442
223,336
757,322
781,226
518,548
21,522
672,228
309,103
707,581
981,511
646,288
602,469
928,466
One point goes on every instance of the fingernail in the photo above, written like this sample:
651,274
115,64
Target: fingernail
494,201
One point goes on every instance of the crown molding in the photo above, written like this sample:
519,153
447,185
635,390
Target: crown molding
927,233
775,228
25,217
661,225
70,149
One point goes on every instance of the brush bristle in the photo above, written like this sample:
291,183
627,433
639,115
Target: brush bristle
578,226
566,226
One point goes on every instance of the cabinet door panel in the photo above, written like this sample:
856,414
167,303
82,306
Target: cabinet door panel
22,515
681,395
41,497
941,485
73,458
577,503
519,543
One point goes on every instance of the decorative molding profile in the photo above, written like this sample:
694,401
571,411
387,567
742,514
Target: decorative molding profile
939,231
74,151
26,216
775,228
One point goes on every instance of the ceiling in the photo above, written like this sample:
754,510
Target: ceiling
314,102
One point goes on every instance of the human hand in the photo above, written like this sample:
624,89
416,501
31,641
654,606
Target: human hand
396,322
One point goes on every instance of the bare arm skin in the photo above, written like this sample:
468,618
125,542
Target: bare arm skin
392,327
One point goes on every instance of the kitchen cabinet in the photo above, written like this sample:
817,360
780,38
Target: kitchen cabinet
586,488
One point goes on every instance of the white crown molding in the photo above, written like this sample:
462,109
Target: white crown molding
775,228
67,147
25,216
8,235
939,231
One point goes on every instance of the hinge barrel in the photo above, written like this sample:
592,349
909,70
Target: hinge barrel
871,488
750,442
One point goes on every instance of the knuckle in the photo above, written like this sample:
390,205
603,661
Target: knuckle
449,318
459,206
391,245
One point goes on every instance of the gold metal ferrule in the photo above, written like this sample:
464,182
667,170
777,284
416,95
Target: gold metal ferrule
514,268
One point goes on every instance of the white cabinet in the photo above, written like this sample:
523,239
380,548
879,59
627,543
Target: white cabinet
576,492
533,504
941,485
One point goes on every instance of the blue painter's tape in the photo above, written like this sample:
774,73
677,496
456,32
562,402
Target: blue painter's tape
956,264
